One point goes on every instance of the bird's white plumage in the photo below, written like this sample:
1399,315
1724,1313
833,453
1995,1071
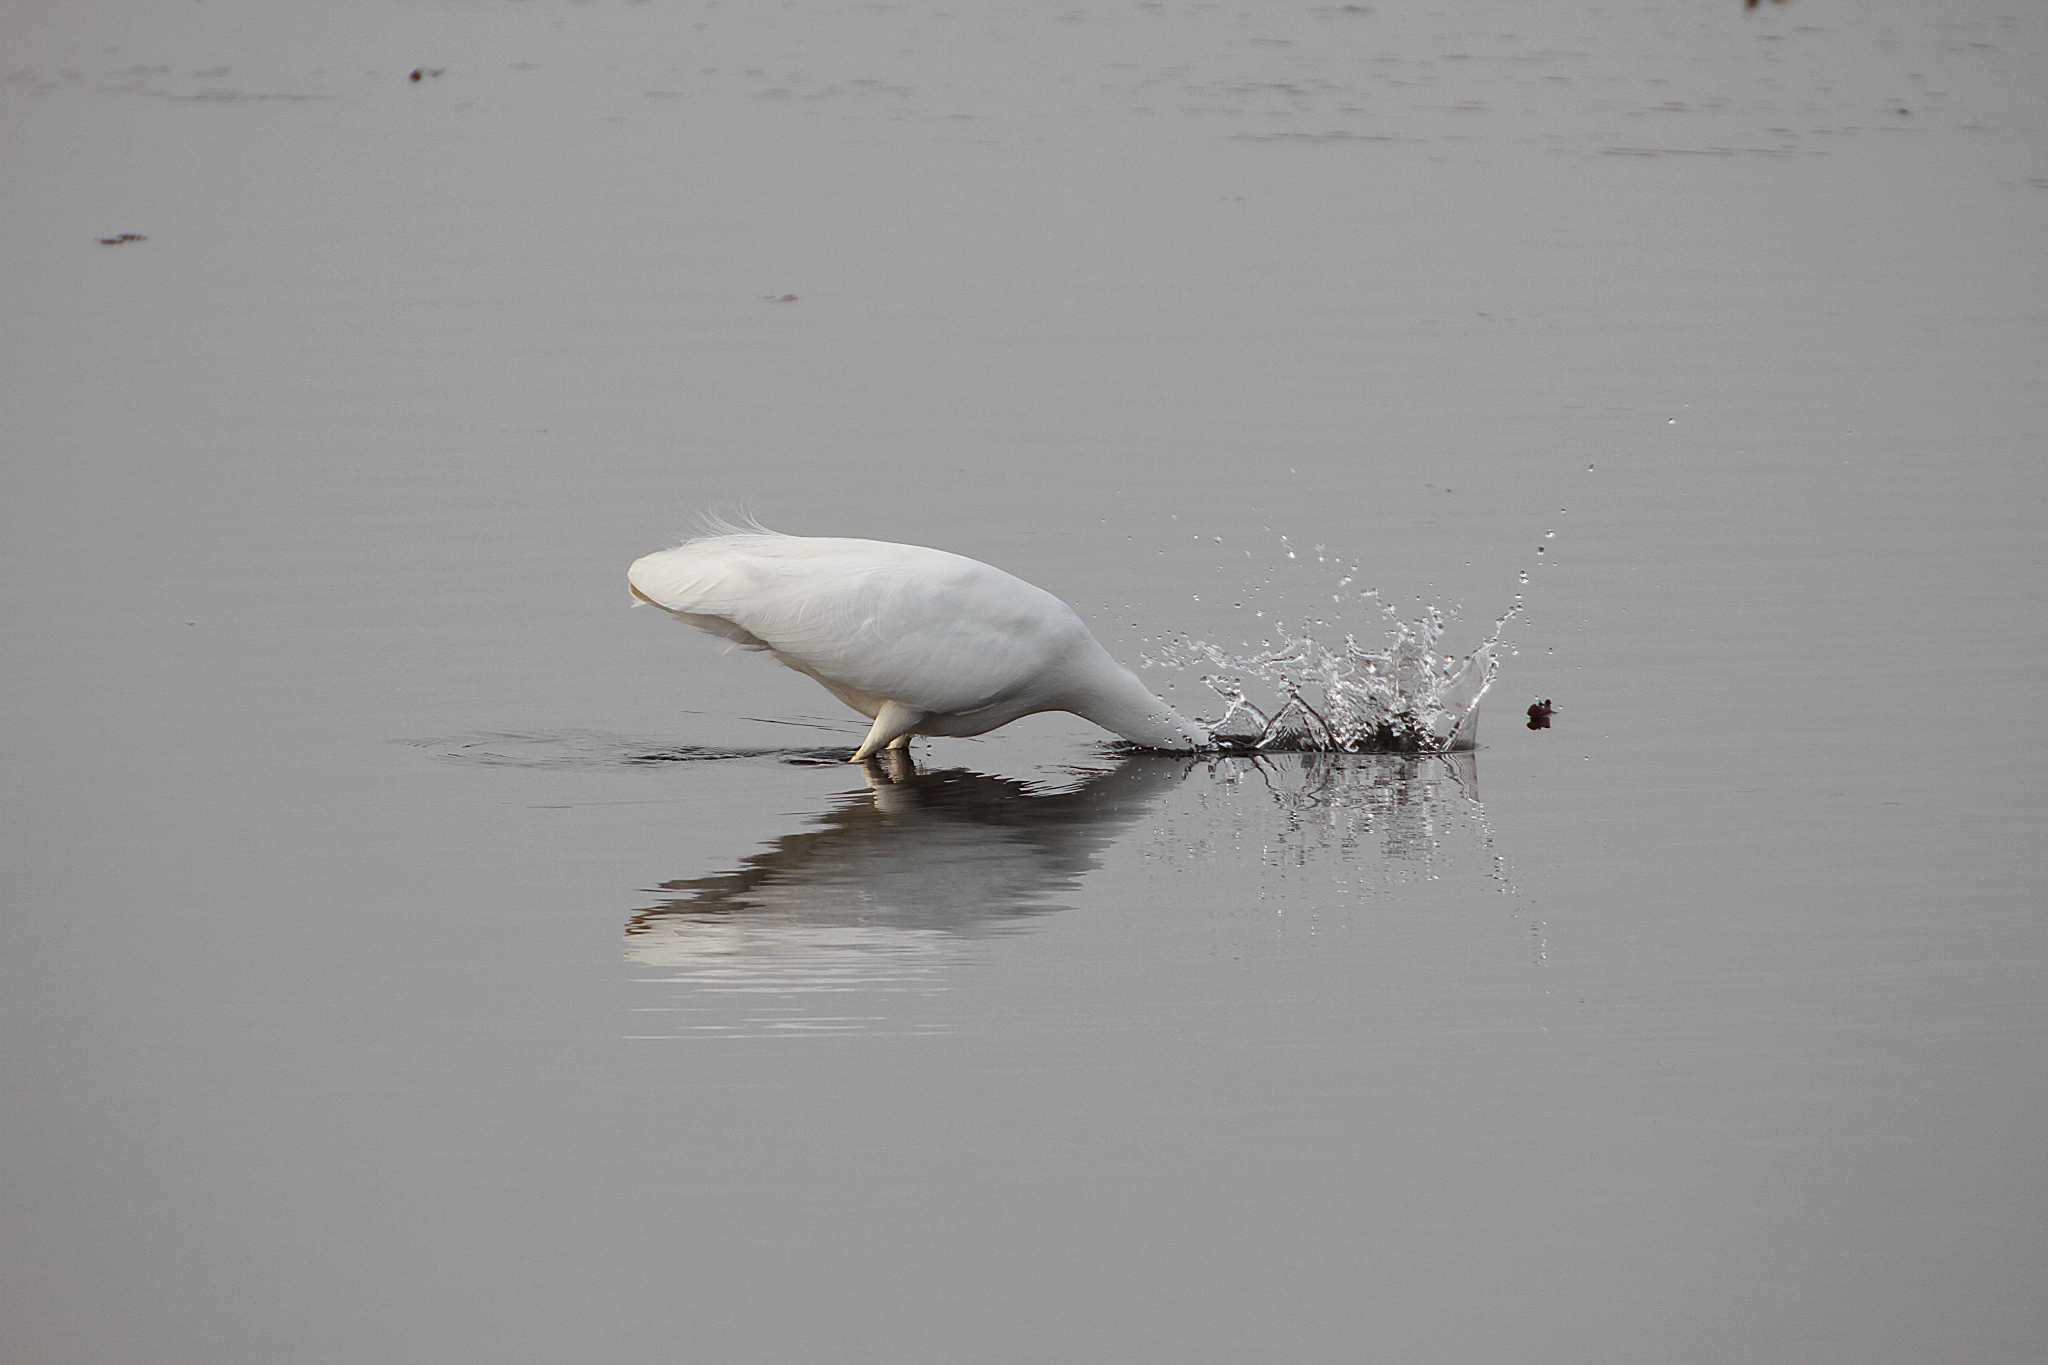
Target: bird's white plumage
959,647
924,627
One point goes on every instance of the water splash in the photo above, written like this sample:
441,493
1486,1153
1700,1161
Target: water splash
1399,694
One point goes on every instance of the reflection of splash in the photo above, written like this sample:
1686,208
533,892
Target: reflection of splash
873,901
1365,821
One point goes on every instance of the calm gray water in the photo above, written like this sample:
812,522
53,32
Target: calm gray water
414,954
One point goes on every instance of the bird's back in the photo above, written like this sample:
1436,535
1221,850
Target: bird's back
926,628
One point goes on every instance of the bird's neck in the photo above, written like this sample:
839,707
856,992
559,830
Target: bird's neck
1113,698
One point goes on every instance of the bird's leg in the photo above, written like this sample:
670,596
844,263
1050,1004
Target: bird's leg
893,722
902,741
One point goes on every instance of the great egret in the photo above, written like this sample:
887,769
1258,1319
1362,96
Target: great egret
923,641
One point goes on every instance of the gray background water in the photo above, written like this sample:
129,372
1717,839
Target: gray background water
364,999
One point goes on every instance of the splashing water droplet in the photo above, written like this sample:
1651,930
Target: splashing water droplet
1522,577
1347,696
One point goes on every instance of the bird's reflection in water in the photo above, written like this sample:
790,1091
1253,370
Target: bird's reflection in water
873,900
850,925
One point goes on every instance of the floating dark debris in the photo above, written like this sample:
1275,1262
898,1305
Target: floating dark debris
1539,714
122,239
420,73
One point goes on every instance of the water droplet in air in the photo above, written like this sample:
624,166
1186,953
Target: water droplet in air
1589,469
1670,421
1522,577
1550,535
1539,549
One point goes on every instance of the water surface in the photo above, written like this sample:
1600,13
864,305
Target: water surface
416,954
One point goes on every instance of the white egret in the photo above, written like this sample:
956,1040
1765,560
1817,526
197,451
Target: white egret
923,641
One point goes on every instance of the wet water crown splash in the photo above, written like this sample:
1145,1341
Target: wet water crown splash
1308,688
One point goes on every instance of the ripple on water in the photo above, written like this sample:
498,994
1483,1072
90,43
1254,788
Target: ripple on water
599,749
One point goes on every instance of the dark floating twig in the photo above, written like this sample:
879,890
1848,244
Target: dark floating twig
124,238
